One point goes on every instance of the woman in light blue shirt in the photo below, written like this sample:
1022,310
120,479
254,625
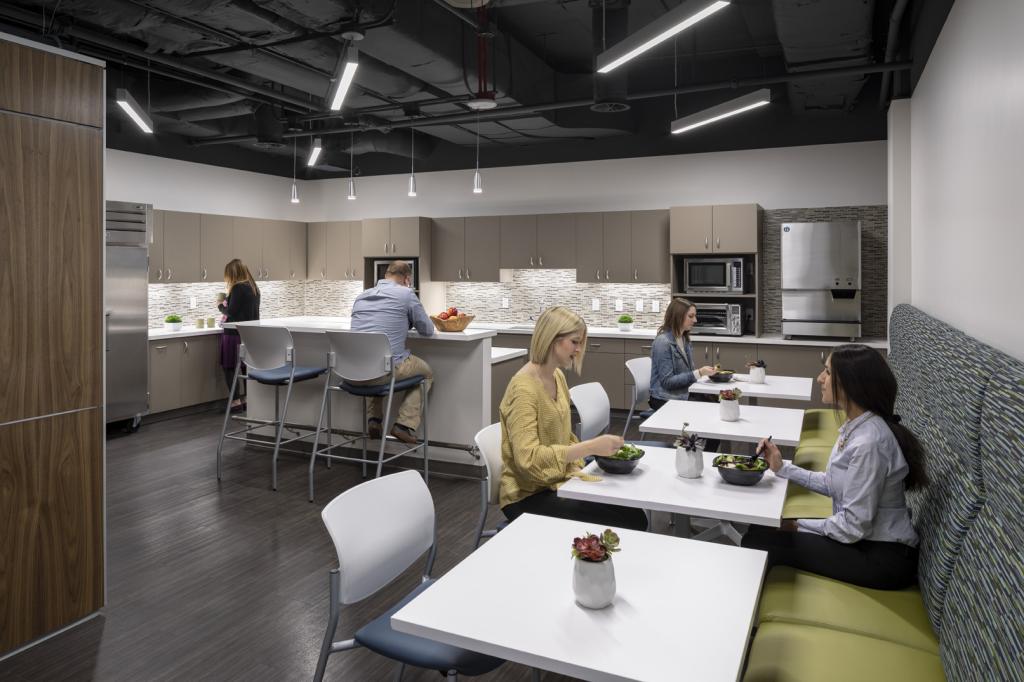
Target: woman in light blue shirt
869,539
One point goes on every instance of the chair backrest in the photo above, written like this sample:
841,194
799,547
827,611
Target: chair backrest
379,529
591,401
640,368
266,347
360,356
488,440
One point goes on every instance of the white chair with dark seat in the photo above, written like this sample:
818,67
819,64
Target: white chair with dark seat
640,370
379,529
488,442
268,354
355,358
594,408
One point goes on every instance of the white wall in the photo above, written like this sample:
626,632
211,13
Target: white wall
967,161
823,175
899,203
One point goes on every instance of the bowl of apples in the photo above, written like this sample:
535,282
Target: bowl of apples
451,320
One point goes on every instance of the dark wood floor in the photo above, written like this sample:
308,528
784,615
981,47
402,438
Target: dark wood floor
229,581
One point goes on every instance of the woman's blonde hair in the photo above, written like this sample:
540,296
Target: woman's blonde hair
236,271
555,323
675,316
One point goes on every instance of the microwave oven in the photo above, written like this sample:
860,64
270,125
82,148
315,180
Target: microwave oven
380,268
720,319
713,276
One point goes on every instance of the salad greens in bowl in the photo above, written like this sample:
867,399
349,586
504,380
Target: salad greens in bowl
740,469
623,461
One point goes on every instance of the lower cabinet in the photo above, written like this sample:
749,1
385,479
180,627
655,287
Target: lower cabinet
605,363
794,361
501,374
185,371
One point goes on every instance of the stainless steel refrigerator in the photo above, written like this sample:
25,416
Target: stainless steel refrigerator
126,309
821,281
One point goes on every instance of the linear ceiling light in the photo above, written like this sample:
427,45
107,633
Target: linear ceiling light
314,151
747,102
134,111
412,162
671,23
343,77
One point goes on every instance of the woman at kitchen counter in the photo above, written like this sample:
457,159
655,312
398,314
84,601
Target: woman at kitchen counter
869,540
539,451
241,305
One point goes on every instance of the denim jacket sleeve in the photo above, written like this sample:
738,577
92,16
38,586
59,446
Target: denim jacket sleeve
671,375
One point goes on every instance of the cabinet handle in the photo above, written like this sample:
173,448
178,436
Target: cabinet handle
705,243
607,275
635,273
293,274
385,247
531,261
322,275
460,273
598,274
168,274
645,347
160,347
540,261
823,357
204,273
595,345
393,248
705,353
159,274
718,353
718,242
186,346
467,273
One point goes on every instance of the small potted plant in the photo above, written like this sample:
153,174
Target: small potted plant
172,322
689,454
729,404
625,323
757,371
593,575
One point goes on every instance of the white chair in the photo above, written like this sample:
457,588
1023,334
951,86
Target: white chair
268,355
488,442
379,529
592,404
640,369
356,357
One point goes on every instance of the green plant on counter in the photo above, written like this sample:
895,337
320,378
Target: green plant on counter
170,319
625,319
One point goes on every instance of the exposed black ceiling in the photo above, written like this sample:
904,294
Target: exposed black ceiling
236,83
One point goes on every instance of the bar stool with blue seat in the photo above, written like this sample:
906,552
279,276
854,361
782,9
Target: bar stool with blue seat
268,354
354,360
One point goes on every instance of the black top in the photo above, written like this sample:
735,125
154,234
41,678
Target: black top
241,305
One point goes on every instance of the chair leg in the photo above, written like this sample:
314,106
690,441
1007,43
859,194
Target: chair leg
366,435
535,674
330,427
484,491
423,421
316,437
227,415
384,426
399,672
280,429
332,626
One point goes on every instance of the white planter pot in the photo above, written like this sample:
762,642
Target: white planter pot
173,326
625,326
757,375
593,583
729,410
689,463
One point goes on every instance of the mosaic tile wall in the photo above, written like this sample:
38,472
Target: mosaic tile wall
874,258
333,299
277,299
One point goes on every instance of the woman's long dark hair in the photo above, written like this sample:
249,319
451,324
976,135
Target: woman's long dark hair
675,316
860,375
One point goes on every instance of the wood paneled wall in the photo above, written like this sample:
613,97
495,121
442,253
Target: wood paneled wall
51,342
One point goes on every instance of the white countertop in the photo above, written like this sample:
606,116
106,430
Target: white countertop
323,324
503,354
157,333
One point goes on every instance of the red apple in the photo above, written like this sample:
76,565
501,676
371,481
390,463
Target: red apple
453,311
444,316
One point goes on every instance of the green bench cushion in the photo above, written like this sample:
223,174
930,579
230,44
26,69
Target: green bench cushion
820,428
801,503
898,616
813,457
787,652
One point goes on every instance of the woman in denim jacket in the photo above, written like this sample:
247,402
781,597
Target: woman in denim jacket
672,369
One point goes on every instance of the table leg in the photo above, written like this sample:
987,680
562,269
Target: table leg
721,529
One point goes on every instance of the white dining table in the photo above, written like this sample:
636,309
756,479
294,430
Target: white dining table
778,387
781,423
655,486
682,609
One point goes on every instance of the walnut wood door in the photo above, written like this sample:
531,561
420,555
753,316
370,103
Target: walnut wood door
50,86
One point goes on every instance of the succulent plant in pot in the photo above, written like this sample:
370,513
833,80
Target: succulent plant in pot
593,574
625,323
173,322
729,404
689,454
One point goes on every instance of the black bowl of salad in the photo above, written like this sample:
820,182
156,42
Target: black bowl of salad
740,470
721,376
622,462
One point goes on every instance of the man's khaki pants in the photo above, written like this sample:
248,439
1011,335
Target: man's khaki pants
412,403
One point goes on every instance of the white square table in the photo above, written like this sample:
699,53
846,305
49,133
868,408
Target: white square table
654,485
781,388
682,608
755,422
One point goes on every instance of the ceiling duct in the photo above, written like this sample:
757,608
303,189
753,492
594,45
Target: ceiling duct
269,129
610,26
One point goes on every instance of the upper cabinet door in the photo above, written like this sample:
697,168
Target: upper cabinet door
651,259
447,250
483,244
297,255
355,250
735,228
276,250
518,241
376,237
590,247
249,244
338,240
216,246
49,85
156,249
181,247
316,251
618,262
690,229
405,237
556,241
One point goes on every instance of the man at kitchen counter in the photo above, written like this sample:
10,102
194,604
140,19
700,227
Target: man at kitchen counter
391,307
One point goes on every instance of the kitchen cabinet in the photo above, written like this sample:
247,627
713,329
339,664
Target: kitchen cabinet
501,374
174,251
275,262
604,363
590,247
271,249
248,238
794,361
397,237
622,247
465,249
734,356
185,371
512,341
730,228
618,241
556,241
216,246
165,375
343,244
156,249
649,234
316,251
518,241
297,250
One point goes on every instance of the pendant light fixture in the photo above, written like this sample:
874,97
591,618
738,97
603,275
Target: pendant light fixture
412,162
752,100
478,183
134,111
314,151
295,156
352,168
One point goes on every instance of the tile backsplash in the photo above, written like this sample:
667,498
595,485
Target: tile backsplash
277,299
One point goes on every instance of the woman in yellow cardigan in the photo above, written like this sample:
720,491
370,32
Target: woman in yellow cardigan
539,451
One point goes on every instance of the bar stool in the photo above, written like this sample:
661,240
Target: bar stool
268,354
362,357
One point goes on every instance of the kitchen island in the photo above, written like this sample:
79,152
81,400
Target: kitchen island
459,403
